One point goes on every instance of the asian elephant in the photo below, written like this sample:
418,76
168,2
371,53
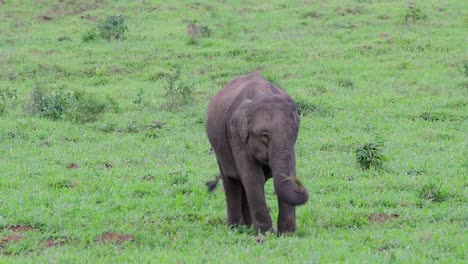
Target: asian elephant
252,126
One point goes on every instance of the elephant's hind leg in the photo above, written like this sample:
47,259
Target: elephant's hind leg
233,192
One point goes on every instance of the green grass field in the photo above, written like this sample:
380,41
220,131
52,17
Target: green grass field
100,136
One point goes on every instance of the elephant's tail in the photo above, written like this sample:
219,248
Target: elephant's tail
212,184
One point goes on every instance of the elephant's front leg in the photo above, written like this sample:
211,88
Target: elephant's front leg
253,179
286,218
246,218
233,193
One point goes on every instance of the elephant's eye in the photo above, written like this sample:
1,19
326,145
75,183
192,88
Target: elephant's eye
264,136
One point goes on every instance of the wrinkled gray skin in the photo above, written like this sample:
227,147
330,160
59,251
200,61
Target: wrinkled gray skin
252,126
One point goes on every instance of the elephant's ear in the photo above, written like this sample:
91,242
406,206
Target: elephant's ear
239,120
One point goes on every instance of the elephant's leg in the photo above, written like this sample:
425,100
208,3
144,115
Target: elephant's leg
286,218
246,218
254,190
233,193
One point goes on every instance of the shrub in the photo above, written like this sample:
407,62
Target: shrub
112,28
76,106
370,156
48,104
178,91
85,107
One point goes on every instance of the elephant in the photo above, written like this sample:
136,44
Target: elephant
252,126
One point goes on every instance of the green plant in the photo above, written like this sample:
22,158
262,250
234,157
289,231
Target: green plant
305,108
205,31
77,106
370,156
89,36
8,97
49,104
85,107
112,28
432,192
178,90
414,14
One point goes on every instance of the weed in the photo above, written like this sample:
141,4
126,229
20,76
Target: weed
432,192
8,97
305,108
48,104
76,106
414,14
312,14
89,36
346,83
138,101
178,91
112,28
85,107
370,156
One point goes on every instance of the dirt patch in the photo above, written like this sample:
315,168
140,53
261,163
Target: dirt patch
382,217
22,228
74,7
44,18
13,238
55,242
73,166
113,237
90,18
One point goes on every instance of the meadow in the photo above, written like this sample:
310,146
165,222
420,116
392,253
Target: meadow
104,155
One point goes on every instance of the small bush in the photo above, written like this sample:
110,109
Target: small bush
414,14
112,28
178,91
76,106
49,104
370,156
85,107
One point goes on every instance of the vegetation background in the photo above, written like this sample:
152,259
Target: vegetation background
103,154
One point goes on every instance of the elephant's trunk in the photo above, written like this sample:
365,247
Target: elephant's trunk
288,188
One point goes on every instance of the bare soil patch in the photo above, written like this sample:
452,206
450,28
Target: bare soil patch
22,228
73,166
113,237
44,18
12,238
382,217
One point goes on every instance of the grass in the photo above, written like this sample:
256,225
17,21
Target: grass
362,70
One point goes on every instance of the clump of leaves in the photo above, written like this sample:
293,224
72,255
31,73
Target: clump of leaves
76,106
48,104
414,14
178,90
370,156
432,192
8,97
112,28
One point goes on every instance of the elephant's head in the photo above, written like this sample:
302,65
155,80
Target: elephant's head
267,126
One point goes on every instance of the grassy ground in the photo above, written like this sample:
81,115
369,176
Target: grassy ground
95,137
